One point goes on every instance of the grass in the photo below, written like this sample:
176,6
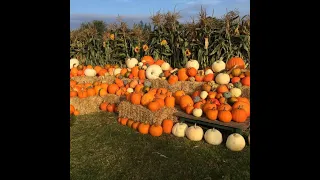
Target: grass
103,149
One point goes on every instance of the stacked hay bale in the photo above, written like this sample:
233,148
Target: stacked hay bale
92,104
81,79
142,114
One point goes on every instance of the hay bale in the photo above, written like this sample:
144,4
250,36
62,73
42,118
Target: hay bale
245,91
142,114
81,79
92,104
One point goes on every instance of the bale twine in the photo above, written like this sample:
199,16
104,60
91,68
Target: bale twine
142,114
92,104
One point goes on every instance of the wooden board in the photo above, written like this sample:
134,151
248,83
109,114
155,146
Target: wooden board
235,125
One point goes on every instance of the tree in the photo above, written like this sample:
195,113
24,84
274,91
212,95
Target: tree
100,26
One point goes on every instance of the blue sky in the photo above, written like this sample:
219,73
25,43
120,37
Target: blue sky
132,11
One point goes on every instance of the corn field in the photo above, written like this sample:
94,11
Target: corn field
207,39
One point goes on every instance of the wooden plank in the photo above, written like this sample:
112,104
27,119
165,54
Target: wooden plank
242,126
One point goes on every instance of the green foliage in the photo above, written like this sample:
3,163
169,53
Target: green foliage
207,39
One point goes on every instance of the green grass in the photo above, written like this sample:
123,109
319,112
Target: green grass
103,149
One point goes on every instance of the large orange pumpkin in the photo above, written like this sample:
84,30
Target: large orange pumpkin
235,61
143,128
185,100
155,130
147,60
113,88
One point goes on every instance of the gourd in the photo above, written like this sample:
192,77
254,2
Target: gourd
179,129
222,78
165,66
203,94
131,62
129,90
213,136
140,64
90,72
208,71
192,63
235,92
194,133
153,71
218,66
197,112
74,63
117,71
235,142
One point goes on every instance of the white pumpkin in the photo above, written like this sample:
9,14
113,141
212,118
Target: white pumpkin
179,129
153,71
208,71
218,66
235,92
197,112
129,90
203,94
235,142
140,64
192,63
131,62
117,71
90,72
74,63
222,78
165,66
249,139
194,133
213,136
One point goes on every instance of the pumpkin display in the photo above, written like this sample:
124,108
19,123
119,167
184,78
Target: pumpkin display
204,94
194,133
197,112
235,142
213,136
167,125
90,72
155,130
131,62
153,71
235,61
235,92
74,63
179,129
218,66
192,63
182,74
222,78
165,66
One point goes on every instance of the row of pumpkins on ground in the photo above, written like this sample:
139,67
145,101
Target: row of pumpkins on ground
220,72
235,141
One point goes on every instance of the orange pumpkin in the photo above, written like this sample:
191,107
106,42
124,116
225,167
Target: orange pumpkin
167,125
160,101
135,125
91,92
235,79
135,98
73,83
73,93
142,74
166,73
195,94
189,109
222,89
143,128
173,79
130,122
159,62
111,107
102,92
235,61
155,130
243,105
76,112
182,74
138,88
239,115
224,106
192,72
169,101
208,77
243,99
103,106
154,106
146,99
245,81
82,94
123,121
212,114
147,60
113,88
177,95
185,100
135,71
208,106
97,68
72,109
224,116
123,71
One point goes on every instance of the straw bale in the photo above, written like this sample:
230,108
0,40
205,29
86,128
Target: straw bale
81,79
92,104
142,114
245,91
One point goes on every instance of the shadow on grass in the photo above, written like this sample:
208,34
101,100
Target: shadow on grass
103,149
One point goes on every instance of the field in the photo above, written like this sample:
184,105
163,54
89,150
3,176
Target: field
101,148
